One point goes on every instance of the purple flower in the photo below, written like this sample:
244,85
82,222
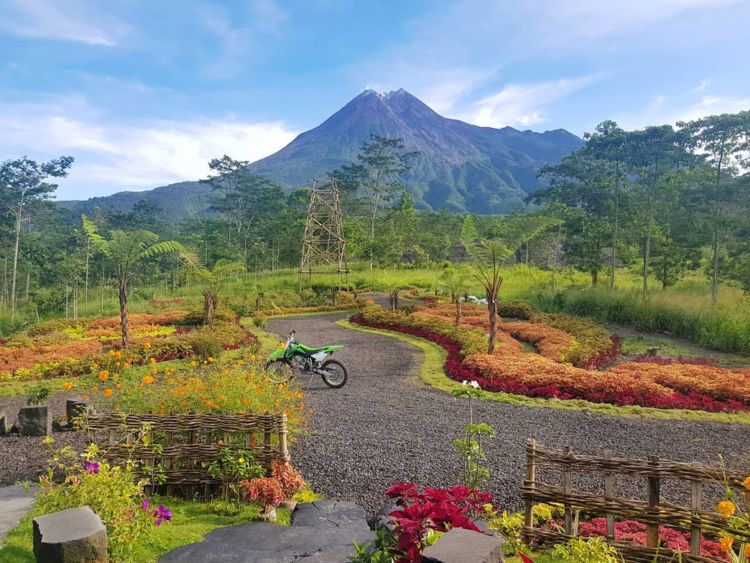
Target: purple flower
162,514
145,504
91,467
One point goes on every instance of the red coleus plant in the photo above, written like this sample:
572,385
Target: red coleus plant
432,509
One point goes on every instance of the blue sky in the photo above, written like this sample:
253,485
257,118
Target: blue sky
144,93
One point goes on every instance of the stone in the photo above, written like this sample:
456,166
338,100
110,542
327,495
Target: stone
73,409
34,421
464,546
4,429
321,532
15,502
327,513
383,520
75,535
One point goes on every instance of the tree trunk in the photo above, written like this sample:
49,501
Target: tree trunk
647,255
492,314
715,272
615,230
207,317
122,287
14,273
458,310
594,277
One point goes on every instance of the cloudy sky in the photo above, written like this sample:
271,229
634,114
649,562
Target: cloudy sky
144,93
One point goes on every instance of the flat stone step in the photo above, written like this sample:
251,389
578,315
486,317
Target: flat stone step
323,531
15,502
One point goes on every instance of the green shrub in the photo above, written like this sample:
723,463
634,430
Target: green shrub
516,310
590,550
205,343
591,339
38,394
222,315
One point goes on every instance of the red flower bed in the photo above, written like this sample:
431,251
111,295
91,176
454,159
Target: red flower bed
534,376
632,531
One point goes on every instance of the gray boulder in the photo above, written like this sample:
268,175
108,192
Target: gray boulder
383,520
464,546
34,421
76,535
4,426
73,409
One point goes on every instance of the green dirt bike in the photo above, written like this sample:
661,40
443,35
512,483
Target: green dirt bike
293,357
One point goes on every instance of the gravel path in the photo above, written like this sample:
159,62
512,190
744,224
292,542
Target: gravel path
24,458
386,425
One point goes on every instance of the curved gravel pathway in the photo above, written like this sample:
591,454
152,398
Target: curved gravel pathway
385,424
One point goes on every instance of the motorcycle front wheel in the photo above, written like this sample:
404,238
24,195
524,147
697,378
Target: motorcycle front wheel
333,373
280,371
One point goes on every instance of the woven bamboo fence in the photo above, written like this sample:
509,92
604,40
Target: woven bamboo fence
182,446
653,512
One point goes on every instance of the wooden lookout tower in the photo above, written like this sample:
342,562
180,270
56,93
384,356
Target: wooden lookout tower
324,245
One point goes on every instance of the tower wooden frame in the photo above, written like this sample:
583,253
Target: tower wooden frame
324,244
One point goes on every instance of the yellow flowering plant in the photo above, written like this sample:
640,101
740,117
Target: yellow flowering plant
219,387
735,509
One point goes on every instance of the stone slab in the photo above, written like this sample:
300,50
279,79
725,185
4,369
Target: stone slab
321,532
15,502
464,546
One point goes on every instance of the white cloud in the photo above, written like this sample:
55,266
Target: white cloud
523,104
117,156
664,109
65,20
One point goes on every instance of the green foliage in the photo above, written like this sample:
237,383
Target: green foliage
469,447
112,492
235,465
380,550
516,310
38,394
589,550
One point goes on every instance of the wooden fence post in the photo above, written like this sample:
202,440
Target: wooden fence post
696,494
609,491
267,443
283,447
567,489
530,482
654,496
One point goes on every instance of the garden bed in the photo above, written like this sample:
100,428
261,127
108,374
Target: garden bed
694,387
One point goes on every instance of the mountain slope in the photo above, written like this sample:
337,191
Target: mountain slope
461,167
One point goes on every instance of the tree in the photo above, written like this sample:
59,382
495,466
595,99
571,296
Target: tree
724,142
127,251
22,189
456,278
210,279
579,188
381,161
608,143
488,256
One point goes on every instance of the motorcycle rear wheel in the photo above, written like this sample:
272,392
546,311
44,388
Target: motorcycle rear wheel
333,373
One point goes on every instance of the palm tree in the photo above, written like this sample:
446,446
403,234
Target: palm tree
456,281
210,279
126,251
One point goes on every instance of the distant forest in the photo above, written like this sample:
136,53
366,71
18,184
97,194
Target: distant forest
663,200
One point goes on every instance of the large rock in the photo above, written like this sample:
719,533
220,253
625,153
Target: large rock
4,426
464,546
383,519
321,532
76,535
34,421
73,409
15,502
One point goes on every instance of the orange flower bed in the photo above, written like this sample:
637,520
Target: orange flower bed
139,319
550,342
14,358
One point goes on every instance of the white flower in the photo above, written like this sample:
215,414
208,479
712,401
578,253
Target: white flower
464,383
474,384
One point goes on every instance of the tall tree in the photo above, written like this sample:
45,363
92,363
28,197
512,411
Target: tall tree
724,142
127,251
210,279
377,173
23,187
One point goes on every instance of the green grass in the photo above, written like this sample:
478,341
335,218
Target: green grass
191,521
432,373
